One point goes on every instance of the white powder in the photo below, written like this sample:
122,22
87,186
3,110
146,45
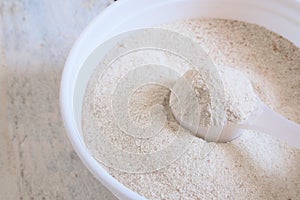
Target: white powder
254,166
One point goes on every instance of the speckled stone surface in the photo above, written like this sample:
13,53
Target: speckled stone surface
36,157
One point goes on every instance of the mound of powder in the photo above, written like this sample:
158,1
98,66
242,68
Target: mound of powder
255,165
239,98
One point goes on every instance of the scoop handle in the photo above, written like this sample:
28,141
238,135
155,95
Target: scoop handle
272,123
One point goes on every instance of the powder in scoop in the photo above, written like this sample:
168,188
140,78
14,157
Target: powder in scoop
239,98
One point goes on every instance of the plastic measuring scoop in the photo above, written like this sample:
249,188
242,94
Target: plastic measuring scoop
262,118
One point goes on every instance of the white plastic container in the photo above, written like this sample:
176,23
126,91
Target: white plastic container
280,16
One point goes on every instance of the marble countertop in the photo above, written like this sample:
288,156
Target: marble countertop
37,160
